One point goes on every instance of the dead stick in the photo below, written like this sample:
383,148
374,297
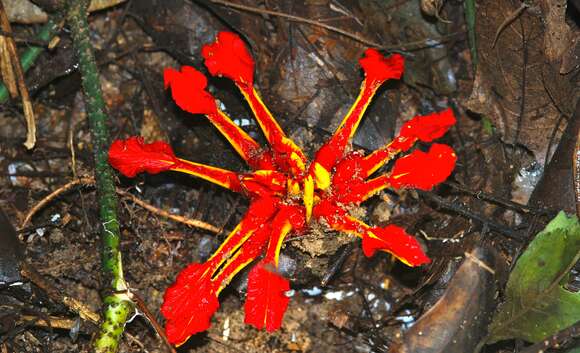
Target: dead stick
188,221
57,295
26,103
299,19
418,44
507,21
89,181
151,318
48,199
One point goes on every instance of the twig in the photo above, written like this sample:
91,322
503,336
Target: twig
57,295
509,20
117,303
89,181
151,318
418,44
520,208
20,39
298,19
19,73
337,265
188,221
465,212
48,198
63,323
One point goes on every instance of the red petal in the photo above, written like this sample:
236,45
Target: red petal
377,70
189,303
133,156
356,192
287,155
229,57
396,241
188,90
222,177
349,169
266,300
289,217
259,214
425,128
391,238
380,68
424,170
264,183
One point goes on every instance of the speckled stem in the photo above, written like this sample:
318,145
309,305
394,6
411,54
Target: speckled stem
117,303
32,53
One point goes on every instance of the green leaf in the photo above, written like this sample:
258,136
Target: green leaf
488,127
537,305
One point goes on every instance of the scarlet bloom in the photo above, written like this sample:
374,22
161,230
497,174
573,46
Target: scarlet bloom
425,128
189,90
229,57
424,170
132,156
287,192
380,68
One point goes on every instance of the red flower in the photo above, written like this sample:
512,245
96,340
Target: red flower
230,58
188,90
132,156
286,192
424,170
395,240
380,68
424,128
266,300
192,292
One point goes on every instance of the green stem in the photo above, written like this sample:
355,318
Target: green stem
117,304
46,33
469,8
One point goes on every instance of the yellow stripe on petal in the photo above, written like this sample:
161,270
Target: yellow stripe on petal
308,197
355,113
226,242
322,176
370,234
298,161
281,145
286,228
293,187
238,138
219,176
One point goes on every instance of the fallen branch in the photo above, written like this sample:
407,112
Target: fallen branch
89,181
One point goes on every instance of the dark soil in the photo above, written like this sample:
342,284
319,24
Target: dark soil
507,132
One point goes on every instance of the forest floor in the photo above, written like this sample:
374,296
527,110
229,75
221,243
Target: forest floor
513,108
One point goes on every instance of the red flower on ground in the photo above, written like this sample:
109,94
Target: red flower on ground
287,192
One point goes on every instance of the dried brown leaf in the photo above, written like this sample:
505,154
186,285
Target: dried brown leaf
8,76
516,86
19,75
